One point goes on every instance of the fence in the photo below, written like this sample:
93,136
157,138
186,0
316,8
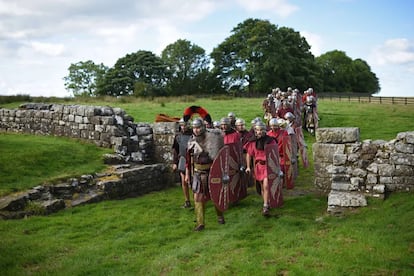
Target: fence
369,99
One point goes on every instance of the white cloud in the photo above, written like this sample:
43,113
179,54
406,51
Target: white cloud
48,49
315,41
393,51
280,7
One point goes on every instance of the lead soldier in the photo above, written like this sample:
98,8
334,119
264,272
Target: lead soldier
203,147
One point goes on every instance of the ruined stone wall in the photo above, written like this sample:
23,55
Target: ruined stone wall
349,170
103,125
120,182
140,164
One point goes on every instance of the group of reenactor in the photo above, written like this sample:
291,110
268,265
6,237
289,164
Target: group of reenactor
220,160
302,106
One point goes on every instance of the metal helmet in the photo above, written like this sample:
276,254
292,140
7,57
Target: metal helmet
289,116
256,120
231,115
273,122
225,121
216,124
240,122
198,123
282,123
310,99
260,126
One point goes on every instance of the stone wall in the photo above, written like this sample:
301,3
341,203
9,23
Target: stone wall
349,170
119,182
140,163
103,125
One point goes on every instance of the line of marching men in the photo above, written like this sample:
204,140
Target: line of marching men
196,147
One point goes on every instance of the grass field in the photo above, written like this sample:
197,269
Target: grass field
152,235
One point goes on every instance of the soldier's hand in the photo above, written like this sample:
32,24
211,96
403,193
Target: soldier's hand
247,170
174,167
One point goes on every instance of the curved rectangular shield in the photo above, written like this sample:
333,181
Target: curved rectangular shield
273,175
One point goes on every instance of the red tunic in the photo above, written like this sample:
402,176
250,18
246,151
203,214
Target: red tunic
278,135
259,156
233,137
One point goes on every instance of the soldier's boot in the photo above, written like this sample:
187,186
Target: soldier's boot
220,216
200,212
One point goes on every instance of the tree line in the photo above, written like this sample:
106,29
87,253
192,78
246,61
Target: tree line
256,57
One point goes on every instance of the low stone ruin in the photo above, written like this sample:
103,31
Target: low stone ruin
349,170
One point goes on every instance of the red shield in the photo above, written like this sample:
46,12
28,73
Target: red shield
225,179
287,155
273,175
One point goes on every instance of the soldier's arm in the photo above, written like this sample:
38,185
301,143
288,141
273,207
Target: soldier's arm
248,164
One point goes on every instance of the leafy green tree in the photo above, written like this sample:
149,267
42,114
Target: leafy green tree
239,57
336,68
339,73
298,66
140,74
83,77
188,66
364,80
260,56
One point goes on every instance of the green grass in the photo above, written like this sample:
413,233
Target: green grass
29,160
152,235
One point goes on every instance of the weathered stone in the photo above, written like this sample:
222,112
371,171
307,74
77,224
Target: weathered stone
372,178
379,189
402,159
14,202
407,137
346,199
337,135
339,159
54,205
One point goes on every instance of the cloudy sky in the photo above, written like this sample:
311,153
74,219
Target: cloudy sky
39,39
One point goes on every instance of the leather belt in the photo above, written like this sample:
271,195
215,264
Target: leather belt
202,167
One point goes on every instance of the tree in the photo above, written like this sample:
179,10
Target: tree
260,56
140,74
83,77
339,73
364,80
188,66
237,59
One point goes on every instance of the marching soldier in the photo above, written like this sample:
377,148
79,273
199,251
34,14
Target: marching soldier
202,149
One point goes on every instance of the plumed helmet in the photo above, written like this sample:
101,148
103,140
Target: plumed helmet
273,122
240,122
289,116
282,123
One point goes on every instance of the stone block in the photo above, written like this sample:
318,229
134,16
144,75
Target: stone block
337,135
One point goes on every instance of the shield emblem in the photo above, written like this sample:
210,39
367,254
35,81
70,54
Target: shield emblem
226,176
273,175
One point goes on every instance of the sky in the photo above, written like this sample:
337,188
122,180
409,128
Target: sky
40,39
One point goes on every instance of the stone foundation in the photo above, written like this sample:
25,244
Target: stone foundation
349,170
